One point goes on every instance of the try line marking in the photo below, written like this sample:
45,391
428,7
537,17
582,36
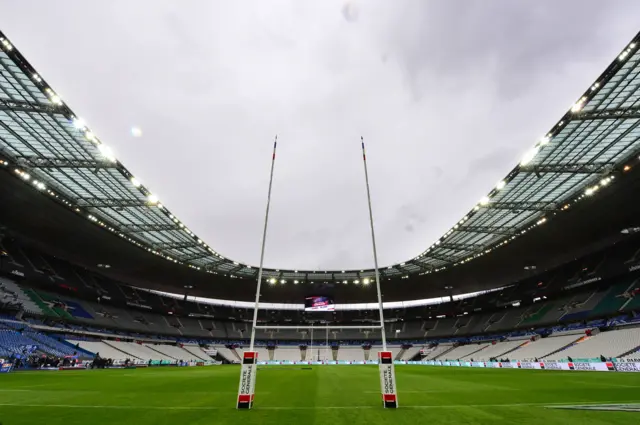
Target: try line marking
431,406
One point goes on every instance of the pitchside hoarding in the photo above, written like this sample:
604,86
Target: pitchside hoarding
548,365
247,380
627,367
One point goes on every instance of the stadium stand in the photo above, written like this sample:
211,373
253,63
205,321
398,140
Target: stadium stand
438,351
194,351
229,354
10,289
413,330
506,320
395,350
543,347
291,354
14,336
97,347
498,350
99,303
580,308
412,352
443,327
464,351
351,354
614,343
614,299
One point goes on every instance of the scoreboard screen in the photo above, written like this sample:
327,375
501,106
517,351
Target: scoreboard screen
319,303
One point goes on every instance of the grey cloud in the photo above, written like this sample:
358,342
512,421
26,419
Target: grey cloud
491,160
350,11
516,42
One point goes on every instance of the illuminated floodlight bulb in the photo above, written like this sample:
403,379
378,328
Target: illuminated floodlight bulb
577,107
501,184
135,182
136,131
79,123
366,281
529,155
107,152
484,200
153,199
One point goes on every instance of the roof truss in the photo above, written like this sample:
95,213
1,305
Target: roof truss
607,114
496,230
139,228
174,245
36,162
522,206
111,203
14,105
593,168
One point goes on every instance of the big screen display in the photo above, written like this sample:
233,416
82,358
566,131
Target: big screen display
319,303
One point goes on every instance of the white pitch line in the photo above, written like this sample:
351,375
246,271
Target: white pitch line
432,406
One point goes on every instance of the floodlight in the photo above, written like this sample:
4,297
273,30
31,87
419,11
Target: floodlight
79,123
528,157
107,152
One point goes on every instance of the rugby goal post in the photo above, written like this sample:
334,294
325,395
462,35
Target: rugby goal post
246,390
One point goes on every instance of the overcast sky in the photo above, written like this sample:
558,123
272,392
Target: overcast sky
447,94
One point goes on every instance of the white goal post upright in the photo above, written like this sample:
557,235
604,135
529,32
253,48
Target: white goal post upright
385,358
247,386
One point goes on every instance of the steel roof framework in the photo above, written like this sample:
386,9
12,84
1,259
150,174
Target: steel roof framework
48,145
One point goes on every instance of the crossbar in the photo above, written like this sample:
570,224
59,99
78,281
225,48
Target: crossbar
316,327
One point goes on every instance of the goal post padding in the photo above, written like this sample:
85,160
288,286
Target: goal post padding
246,391
387,380
247,380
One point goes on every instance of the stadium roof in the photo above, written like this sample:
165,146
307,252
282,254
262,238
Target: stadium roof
50,148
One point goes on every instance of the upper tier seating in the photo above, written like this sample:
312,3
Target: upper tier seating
9,287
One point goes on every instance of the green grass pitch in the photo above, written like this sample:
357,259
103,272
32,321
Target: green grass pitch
324,395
